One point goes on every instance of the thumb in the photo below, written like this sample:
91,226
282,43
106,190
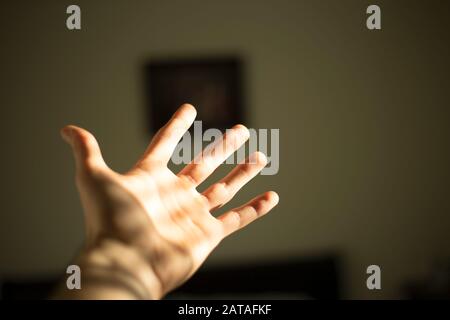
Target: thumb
84,146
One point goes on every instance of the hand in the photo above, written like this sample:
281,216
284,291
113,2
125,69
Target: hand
150,229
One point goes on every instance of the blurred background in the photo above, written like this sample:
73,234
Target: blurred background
364,134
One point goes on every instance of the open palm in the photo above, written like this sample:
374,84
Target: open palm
158,214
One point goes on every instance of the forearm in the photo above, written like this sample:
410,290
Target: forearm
113,270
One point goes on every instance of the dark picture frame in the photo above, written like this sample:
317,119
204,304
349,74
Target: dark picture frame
212,85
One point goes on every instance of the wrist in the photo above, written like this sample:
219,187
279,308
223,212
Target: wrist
114,270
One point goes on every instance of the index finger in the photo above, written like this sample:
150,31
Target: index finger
166,139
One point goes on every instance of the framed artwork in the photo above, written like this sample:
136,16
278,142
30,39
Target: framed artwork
212,85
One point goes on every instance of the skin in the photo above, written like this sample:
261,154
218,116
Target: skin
149,230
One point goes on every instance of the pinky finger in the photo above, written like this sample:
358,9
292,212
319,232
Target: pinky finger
238,218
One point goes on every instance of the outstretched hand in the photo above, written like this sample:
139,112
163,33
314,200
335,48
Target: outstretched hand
149,230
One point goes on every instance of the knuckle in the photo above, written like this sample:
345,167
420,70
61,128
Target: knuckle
235,218
220,190
188,180
205,200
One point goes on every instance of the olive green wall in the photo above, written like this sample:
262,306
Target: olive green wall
363,118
